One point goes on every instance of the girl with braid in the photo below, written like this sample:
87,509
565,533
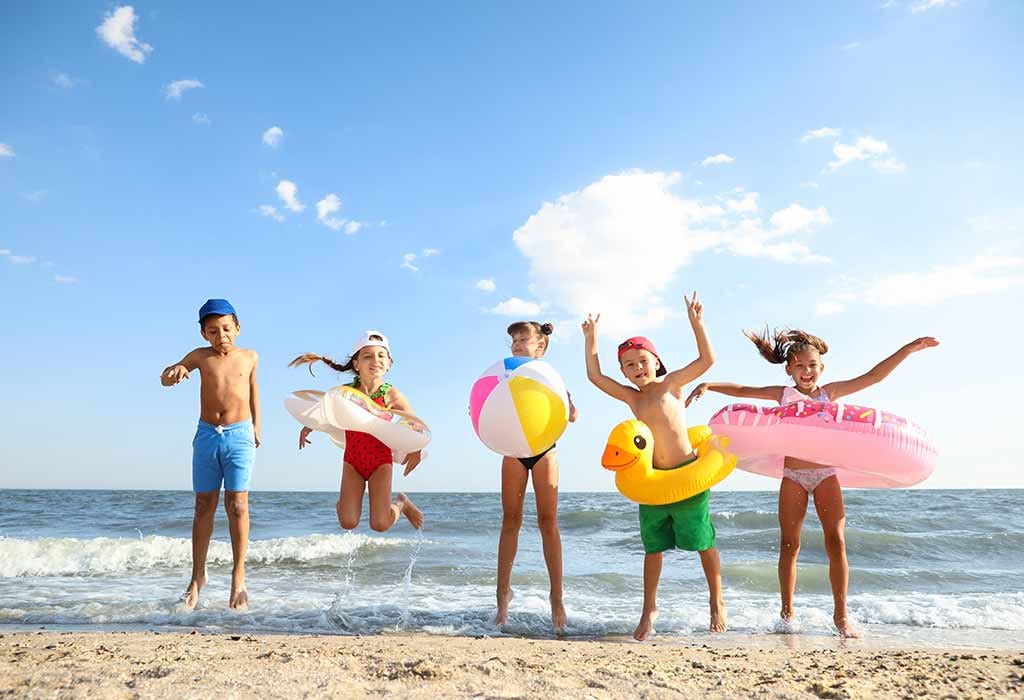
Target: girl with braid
801,354
368,461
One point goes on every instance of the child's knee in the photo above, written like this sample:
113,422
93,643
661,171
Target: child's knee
512,520
206,504
236,507
789,545
381,524
835,542
348,522
547,523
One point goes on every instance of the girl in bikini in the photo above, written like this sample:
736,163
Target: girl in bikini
530,339
368,461
801,353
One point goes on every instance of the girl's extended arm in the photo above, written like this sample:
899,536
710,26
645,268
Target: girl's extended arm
594,374
767,393
705,354
397,403
837,390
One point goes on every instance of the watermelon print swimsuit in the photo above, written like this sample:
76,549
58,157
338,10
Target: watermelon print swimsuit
363,451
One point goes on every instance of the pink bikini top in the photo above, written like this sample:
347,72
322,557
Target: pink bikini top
791,395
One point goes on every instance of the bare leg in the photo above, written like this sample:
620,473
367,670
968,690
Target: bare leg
513,490
792,510
236,503
713,573
202,530
652,574
350,500
545,489
828,501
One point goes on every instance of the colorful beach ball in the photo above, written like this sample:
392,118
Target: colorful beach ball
519,407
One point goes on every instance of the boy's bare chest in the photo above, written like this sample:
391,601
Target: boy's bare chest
223,370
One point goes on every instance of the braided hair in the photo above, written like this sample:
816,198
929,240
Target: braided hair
779,347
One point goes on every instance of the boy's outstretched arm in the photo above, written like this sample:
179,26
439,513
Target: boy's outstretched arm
178,371
705,354
837,390
594,374
768,393
254,399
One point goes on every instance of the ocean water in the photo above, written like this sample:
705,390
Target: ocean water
928,568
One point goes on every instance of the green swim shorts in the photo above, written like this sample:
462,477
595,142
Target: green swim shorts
685,525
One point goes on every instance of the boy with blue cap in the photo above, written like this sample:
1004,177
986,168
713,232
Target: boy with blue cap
225,443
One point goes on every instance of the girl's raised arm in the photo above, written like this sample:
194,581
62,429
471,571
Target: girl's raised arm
767,393
837,390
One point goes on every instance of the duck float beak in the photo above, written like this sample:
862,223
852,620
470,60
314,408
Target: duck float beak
622,452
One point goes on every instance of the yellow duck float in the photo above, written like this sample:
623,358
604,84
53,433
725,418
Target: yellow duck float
630,449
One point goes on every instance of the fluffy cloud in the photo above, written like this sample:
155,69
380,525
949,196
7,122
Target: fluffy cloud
925,5
720,159
6,151
796,218
889,165
407,262
430,252
865,148
200,118
325,210
823,132
174,90
271,212
287,191
515,306
118,32
272,136
353,226
746,203
64,279
486,285
63,80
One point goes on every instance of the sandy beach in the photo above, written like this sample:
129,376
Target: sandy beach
181,665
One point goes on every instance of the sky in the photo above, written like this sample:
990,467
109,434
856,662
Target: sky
435,173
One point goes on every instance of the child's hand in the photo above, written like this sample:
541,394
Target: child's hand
698,391
694,309
175,374
256,437
921,344
411,460
590,326
303,435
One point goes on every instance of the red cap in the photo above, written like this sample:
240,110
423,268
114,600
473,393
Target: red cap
638,342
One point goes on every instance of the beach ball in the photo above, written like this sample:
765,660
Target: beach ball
519,407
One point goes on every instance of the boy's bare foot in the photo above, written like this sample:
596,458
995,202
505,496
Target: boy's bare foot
413,514
191,595
719,623
504,599
646,626
558,617
845,627
787,615
239,600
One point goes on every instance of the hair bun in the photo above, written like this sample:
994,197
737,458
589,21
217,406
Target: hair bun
547,328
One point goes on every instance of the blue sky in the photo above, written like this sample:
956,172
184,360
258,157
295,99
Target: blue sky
853,169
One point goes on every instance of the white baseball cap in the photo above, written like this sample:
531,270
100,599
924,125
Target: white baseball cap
371,339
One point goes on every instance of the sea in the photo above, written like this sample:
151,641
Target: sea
928,568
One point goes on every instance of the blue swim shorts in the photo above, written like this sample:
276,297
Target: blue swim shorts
223,453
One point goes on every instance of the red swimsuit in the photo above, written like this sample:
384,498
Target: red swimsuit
363,451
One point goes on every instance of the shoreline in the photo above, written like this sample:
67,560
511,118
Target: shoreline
48,663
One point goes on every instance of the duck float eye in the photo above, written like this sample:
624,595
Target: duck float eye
640,442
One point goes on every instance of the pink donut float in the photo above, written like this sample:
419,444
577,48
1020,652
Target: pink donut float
869,447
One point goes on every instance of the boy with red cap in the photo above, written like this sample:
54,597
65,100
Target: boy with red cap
657,400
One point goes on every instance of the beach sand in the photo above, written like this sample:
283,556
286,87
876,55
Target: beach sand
50,664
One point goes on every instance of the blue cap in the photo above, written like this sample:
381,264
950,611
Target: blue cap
216,307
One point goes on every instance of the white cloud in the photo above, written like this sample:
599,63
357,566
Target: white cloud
829,308
514,306
21,259
174,90
811,184
407,262
865,148
35,196
720,159
430,252
890,165
353,226
796,218
118,32
200,118
271,212
64,279
852,45
925,5
746,204
486,285
6,151
5,251
272,136
325,208
823,132
63,80
287,190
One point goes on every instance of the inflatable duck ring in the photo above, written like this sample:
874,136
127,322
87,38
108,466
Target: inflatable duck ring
629,452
